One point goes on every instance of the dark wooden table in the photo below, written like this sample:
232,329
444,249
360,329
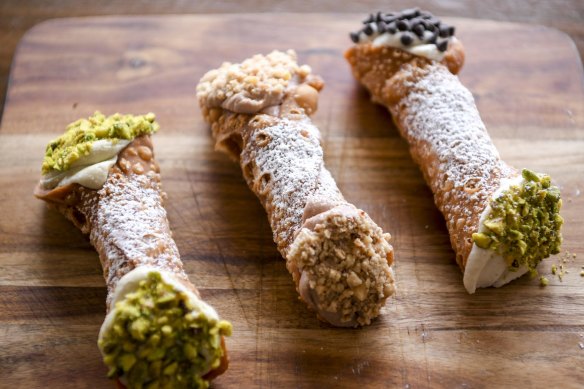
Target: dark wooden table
17,16
431,334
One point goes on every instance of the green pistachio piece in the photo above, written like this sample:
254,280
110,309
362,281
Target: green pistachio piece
553,195
495,225
112,372
139,327
166,299
515,235
522,246
529,175
170,369
154,340
190,351
481,240
156,355
109,359
126,361
129,347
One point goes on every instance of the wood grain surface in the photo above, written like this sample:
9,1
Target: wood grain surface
17,16
529,89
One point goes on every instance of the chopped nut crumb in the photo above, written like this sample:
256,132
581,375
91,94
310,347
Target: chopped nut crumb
560,269
543,281
250,86
353,285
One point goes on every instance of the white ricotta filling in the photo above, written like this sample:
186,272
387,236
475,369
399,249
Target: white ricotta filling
90,170
419,47
484,267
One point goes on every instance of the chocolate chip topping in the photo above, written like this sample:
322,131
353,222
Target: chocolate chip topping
446,31
406,39
442,46
410,13
419,29
368,30
403,25
412,24
388,18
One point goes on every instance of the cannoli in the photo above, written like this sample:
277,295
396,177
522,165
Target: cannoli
259,111
158,333
502,221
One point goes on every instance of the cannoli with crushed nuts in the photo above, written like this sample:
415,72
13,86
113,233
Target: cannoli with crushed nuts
259,111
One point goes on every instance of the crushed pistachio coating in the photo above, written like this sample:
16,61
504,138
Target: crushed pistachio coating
524,224
80,135
159,340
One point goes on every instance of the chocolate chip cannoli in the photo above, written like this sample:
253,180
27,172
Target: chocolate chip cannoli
158,332
259,111
502,221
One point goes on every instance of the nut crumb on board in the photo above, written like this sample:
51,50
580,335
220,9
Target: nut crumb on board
560,268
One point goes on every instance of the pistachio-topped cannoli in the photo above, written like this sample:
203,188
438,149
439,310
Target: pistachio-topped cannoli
502,221
102,175
259,111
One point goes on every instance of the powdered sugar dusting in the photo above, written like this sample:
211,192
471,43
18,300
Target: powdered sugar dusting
290,178
343,257
446,117
447,137
129,227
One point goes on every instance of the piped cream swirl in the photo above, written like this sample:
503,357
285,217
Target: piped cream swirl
412,30
89,170
418,46
484,267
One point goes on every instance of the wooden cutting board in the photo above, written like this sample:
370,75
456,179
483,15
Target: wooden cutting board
529,86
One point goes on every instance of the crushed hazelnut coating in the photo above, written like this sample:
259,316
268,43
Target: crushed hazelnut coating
252,85
345,258
62,152
160,339
339,258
